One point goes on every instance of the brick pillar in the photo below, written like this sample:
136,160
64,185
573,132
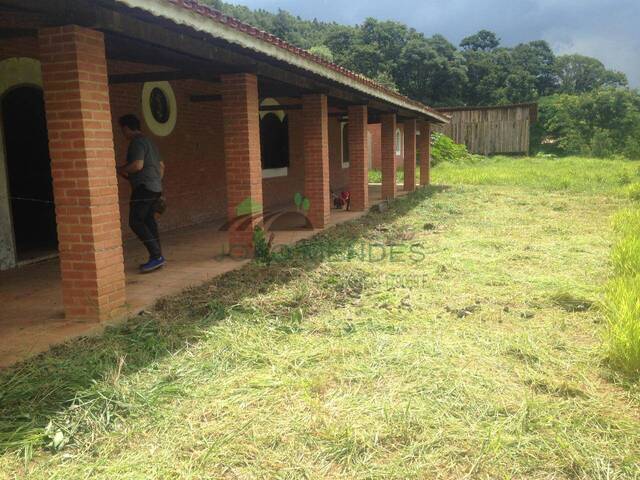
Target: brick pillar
76,94
410,155
388,149
316,158
424,150
241,128
358,157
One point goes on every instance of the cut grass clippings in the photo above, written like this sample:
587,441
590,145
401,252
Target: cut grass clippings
478,358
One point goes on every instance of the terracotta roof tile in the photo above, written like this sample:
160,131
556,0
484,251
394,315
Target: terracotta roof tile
220,17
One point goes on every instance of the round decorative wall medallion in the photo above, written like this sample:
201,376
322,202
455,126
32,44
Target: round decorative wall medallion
159,107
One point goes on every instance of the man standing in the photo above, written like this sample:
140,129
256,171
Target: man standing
144,170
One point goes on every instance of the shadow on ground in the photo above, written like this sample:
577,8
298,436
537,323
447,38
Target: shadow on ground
45,387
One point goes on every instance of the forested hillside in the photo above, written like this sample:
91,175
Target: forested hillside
480,71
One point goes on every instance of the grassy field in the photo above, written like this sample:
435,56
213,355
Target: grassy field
456,335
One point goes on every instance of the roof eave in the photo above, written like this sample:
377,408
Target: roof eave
170,10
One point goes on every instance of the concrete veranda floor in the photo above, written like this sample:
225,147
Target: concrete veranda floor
31,313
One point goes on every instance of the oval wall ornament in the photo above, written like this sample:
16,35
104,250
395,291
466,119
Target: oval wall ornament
159,107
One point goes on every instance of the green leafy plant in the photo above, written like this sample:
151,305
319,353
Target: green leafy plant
262,246
444,149
601,123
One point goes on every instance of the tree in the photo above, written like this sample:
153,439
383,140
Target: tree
538,60
432,70
483,41
580,74
602,122
385,78
448,73
340,40
322,51
520,86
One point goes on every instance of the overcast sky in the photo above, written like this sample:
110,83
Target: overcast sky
606,29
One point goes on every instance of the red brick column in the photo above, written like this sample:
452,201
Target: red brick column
410,155
241,127
76,96
358,157
388,148
316,158
424,150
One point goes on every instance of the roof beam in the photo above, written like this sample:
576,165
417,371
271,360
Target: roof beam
158,77
8,33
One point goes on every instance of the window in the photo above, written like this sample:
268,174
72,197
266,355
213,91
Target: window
344,136
398,142
274,140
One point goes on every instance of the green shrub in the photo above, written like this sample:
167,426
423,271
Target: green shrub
602,123
622,333
632,147
602,144
262,246
444,149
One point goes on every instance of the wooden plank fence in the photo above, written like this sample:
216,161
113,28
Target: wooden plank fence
503,129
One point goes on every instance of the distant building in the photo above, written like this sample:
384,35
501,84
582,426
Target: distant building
500,129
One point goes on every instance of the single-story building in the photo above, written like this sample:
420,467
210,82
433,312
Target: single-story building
244,122
374,135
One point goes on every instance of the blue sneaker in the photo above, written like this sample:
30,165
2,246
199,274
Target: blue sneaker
153,265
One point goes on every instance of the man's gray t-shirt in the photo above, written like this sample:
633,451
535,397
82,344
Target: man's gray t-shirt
141,148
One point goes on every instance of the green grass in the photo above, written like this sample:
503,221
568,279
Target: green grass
375,176
573,174
622,335
622,295
479,357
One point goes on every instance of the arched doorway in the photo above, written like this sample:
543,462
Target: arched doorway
29,173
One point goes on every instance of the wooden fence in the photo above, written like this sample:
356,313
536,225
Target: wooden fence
503,129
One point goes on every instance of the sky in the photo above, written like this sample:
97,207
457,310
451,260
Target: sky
606,29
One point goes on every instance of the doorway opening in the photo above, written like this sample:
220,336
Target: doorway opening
29,173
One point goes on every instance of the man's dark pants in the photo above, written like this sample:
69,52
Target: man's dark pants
142,219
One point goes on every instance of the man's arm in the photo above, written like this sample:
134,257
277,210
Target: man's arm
161,169
133,167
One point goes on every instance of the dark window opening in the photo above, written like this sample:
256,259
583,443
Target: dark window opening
29,171
274,141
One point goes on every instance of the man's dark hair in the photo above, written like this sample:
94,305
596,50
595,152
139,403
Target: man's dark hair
130,121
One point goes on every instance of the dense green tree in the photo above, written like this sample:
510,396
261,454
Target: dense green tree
580,74
322,51
538,60
601,123
431,69
340,40
483,41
